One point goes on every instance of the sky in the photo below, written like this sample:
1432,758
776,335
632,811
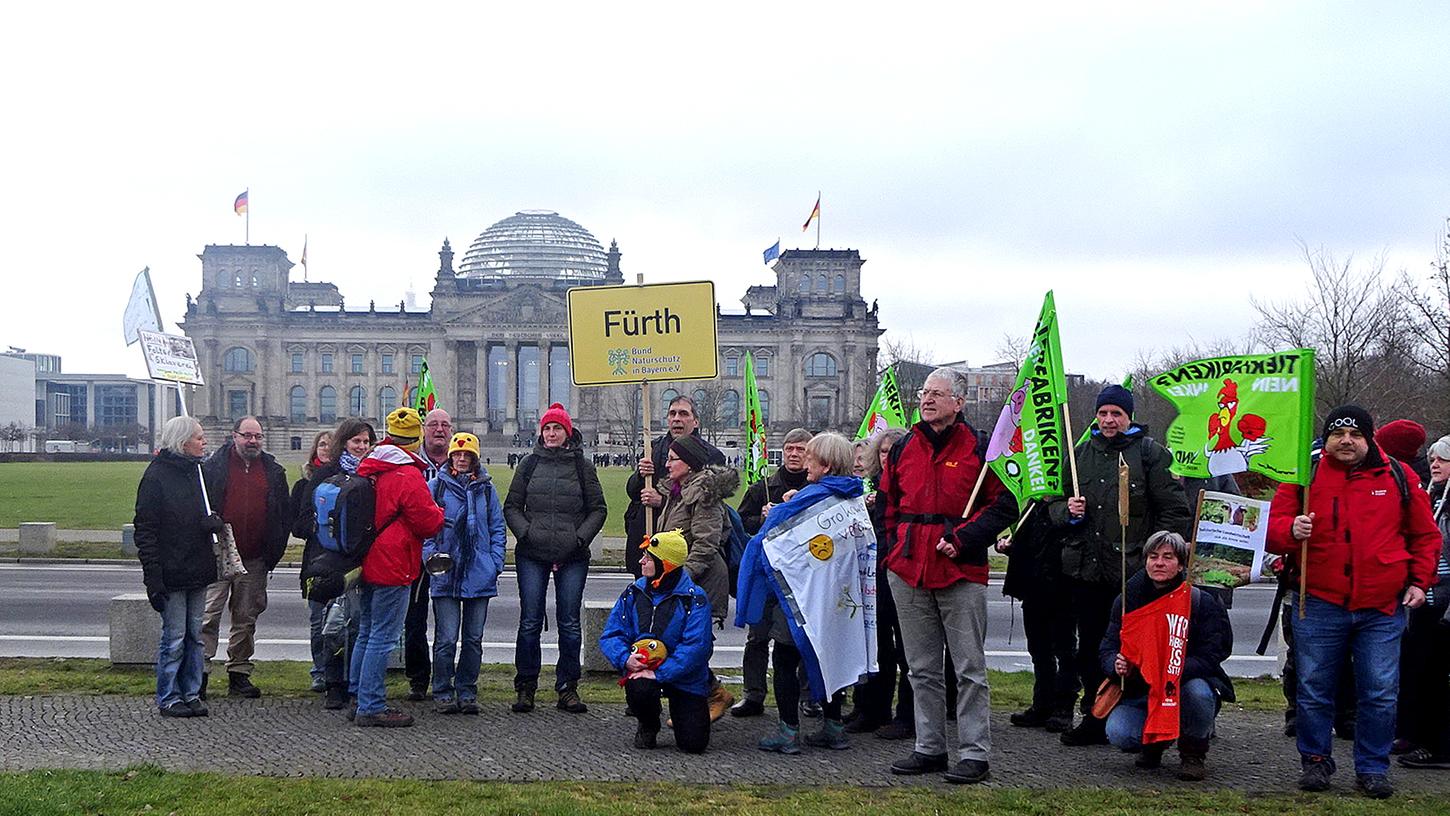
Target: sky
1157,165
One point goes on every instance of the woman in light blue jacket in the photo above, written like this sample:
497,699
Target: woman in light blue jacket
465,560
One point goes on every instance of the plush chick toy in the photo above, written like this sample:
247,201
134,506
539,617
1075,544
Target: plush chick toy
651,652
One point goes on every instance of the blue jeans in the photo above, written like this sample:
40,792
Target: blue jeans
380,624
1321,640
179,656
448,615
1197,707
568,597
316,616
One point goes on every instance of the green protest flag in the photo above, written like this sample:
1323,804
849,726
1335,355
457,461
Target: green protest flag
1088,431
915,415
755,451
886,410
1027,450
1235,414
427,399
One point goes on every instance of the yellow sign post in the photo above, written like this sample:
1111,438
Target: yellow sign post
622,335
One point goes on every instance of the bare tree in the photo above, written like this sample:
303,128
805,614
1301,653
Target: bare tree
913,364
1427,343
1013,347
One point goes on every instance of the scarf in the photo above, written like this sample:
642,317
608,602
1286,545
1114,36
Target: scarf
348,462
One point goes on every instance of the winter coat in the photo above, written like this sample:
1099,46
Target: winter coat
634,513
304,526
1439,594
1092,545
404,515
699,511
924,489
1210,637
1367,545
553,514
473,533
679,617
280,513
1034,563
770,490
174,549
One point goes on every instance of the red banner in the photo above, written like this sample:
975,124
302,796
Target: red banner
1155,640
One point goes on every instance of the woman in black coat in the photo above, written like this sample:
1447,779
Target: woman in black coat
174,534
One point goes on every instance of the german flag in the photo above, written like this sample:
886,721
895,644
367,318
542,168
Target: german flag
240,205
815,214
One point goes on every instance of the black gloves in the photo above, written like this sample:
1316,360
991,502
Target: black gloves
970,550
212,523
156,594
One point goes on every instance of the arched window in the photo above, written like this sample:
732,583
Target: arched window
823,283
730,408
327,405
764,406
666,397
297,404
237,360
238,281
387,400
840,284
762,364
820,364
805,283
357,401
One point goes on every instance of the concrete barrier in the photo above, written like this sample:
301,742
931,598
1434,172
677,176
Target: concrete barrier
591,624
37,537
128,540
135,630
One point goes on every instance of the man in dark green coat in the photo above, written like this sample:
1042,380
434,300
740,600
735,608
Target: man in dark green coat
1092,549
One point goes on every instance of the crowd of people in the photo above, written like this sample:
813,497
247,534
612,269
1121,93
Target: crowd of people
1124,650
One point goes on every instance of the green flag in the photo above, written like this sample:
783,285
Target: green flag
755,451
1235,414
1088,431
886,410
1028,450
427,399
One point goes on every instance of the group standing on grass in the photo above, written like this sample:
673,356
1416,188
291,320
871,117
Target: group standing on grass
1112,626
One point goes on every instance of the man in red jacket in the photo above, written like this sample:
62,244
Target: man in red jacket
1372,549
938,573
405,515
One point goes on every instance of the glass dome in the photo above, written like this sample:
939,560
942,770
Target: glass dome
535,244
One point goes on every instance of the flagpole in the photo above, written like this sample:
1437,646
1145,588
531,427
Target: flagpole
818,219
248,220
1123,513
1071,449
644,401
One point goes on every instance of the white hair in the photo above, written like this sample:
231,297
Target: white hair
956,379
1441,448
177,432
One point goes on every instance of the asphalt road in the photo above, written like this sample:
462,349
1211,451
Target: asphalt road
61,610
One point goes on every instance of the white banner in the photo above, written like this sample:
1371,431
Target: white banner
141,312
825,561
170,357
1229,540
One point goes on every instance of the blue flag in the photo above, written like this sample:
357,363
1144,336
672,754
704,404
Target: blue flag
773,252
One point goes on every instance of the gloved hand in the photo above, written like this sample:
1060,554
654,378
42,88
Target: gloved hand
156,594
971,547
212,523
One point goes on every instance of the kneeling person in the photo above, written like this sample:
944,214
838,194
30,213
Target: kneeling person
1173,667
658,637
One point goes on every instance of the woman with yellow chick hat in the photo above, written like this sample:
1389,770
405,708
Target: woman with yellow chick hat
658,637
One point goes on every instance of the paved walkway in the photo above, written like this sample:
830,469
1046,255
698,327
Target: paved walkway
295,737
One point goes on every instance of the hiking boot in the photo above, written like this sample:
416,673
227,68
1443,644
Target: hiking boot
177,710
1425,759
720,701
198,708
569,701
644,740
417,694
336,696
204,677
1375,786
786,740
445,705
1030,717
1316,773
467,706
811,708
318,685
896,730
1191,752
747,708
918,764
832,735
968,772
387,718
240,685
525,702
1058,721
1151,756
1091,731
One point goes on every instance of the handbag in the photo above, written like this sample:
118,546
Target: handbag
1110,692
228,560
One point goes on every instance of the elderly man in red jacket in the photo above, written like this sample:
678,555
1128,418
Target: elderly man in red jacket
1372,548
938,573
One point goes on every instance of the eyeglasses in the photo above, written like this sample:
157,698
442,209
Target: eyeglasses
672,458
250,437
934,393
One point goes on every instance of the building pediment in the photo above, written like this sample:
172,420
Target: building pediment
526,305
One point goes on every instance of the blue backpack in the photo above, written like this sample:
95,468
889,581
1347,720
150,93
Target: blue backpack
345,505
734,544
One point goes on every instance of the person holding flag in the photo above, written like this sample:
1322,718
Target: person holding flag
1168,641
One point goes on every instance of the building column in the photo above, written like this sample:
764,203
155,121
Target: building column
545,398
480,388
511,398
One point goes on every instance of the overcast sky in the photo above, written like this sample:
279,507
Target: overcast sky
1154,164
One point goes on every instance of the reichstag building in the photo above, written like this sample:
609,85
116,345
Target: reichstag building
495,336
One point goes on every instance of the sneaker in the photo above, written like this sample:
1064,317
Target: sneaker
1090,731
1375,786
1315,776
1426,759
336,697
318,685
1031,717
240,685
525,702
467,706
967,772
387,718
177,710
445,705
896,730
811,708
832,735
569,701
785,740
644,740
918,764
198,708
747,708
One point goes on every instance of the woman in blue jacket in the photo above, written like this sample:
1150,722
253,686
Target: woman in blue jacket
465,559
658,637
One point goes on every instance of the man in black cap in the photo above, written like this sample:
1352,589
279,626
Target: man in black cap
1093,561
1372,547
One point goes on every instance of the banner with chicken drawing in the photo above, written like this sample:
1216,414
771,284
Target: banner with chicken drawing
1251,412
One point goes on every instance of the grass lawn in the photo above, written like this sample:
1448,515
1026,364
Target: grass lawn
151,790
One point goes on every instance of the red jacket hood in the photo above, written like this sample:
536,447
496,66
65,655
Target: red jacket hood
386,457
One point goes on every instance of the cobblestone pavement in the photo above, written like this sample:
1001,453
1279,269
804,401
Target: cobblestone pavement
296,737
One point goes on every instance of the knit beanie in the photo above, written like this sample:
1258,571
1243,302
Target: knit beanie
1401,439
691,450
1116,395
1350,416
404,425
668,549
556,413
